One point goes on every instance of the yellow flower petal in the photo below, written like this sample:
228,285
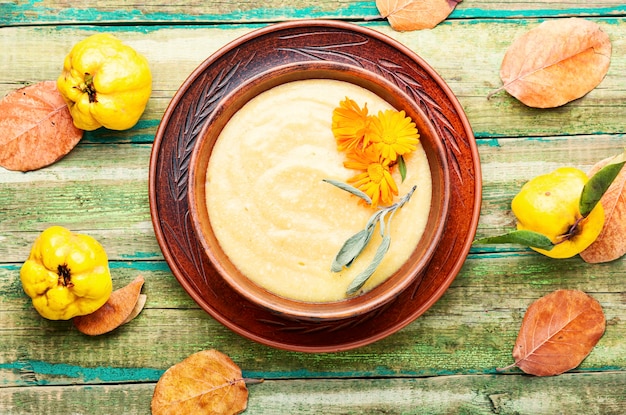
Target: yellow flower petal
350,125
376,181
360,158
394,134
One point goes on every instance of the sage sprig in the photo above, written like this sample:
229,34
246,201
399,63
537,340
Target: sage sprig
350,189
354,246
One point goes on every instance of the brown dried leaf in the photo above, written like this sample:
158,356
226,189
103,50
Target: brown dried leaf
556,62
558,332
406,15
611,243
115,312
37,127
207,382
141,303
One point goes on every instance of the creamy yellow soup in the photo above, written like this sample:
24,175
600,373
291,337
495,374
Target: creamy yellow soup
272,213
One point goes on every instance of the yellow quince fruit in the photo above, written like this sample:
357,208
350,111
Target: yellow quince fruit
549,204
105,83
66,274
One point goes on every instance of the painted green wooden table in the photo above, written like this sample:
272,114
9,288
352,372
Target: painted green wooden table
444,362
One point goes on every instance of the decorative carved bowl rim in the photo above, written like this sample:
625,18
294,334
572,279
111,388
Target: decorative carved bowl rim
356,305
322,44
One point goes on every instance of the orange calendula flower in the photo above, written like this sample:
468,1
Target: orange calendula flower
394,134
375,180
351,125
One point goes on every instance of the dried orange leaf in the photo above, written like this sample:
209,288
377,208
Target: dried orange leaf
558,331
141,303
406,15
207,382
37,128
556,62
114,312
611,243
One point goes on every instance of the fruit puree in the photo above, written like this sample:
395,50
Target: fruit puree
272,213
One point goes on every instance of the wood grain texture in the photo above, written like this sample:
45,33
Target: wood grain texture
471,77
102,189
473,394
444,362
456,336
107,12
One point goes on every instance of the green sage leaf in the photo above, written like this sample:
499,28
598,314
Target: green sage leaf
382,228
371,222
351,249
402,167
362,278
597,185
521,237
404,199
354,246
350,189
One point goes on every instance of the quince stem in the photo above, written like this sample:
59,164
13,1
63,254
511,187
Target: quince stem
65,276
571,232
90,89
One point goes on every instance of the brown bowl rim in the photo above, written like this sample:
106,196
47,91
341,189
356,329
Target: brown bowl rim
352,306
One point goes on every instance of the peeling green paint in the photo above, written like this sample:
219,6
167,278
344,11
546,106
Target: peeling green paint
83,374
490,142
474,13
108,374
30,12
140,265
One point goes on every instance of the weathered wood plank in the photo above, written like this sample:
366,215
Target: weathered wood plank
471,329
472,75
106,12
601,392
60,11
102,190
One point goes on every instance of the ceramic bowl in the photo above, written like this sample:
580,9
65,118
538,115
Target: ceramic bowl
354,305
259,60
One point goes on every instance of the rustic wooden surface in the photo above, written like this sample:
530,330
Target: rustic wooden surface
444,362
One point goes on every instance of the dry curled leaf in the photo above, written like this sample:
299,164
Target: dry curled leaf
406,15
558,331
207,382
37,128
611,243
556,62
139,305
121,305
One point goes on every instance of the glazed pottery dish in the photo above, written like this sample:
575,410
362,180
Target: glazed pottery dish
252,195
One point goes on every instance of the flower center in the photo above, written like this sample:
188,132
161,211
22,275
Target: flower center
376,172
388,138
